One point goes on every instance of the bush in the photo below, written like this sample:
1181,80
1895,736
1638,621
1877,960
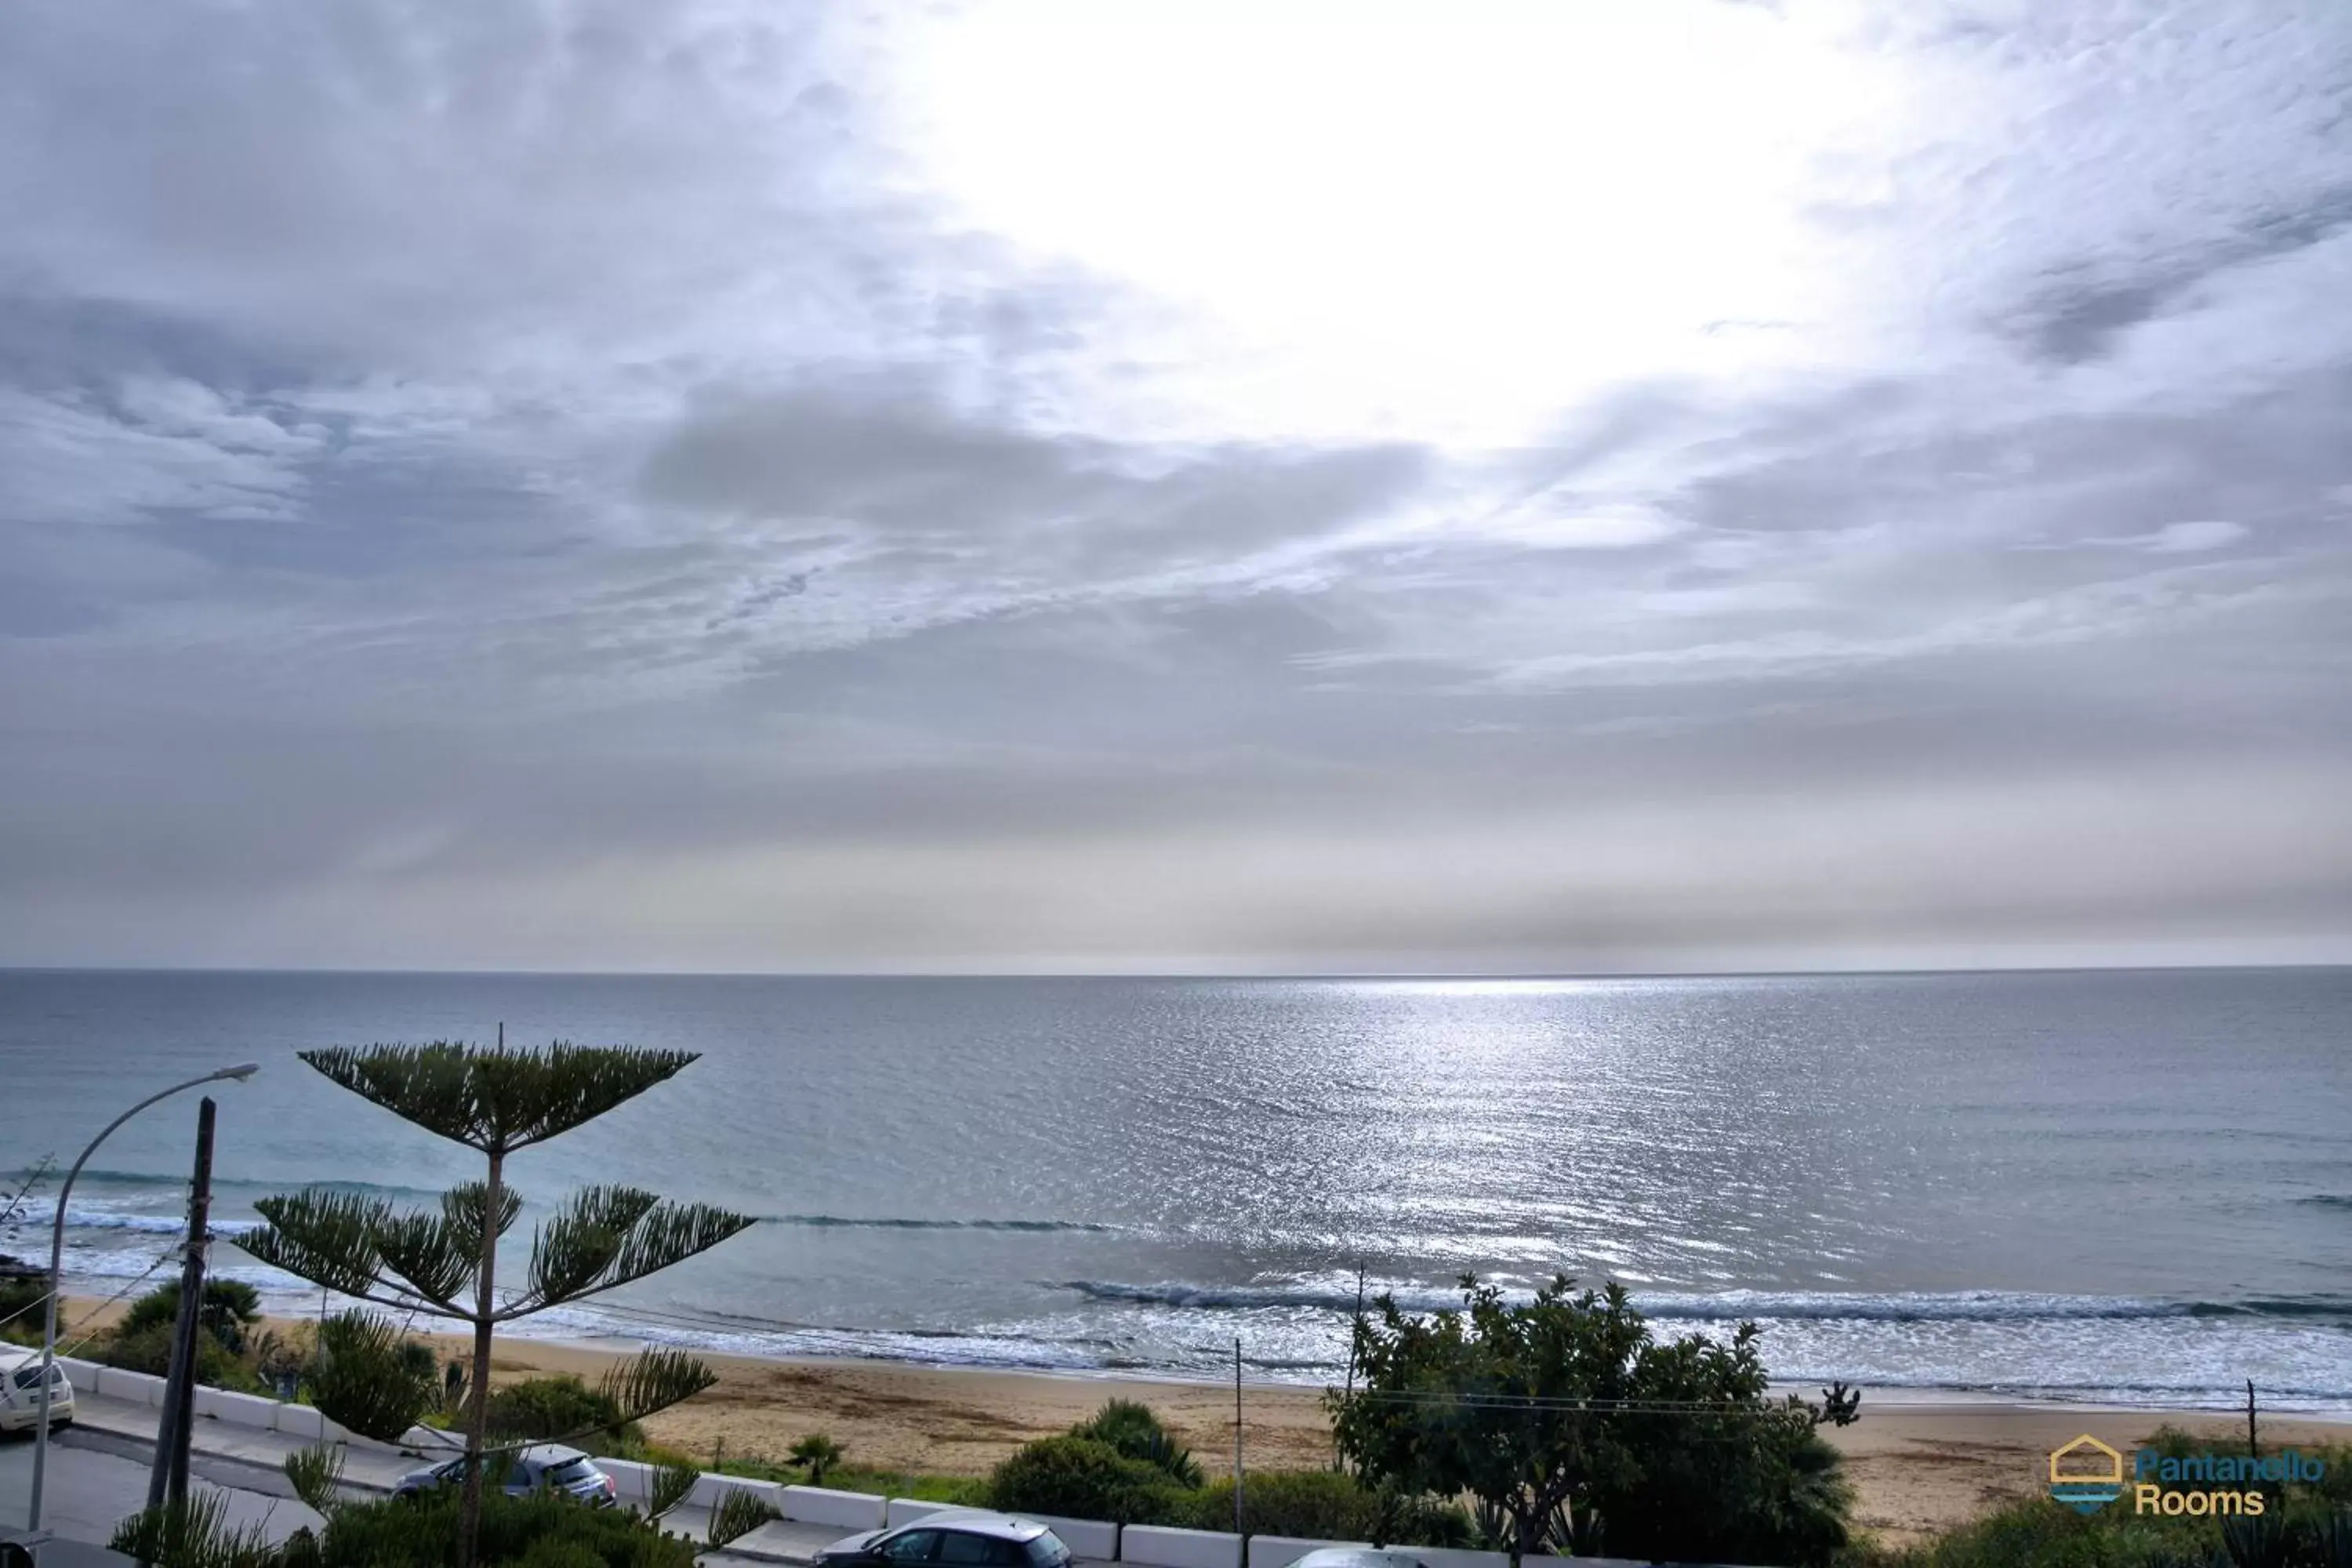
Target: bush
21,1291
1737,1484
149,1349
1317,1504
517,1533
1133,1431
1082,1478
365,1380
558,1408
1325,1505
230,1308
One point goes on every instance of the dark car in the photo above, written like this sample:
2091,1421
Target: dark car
546,1466
964,1539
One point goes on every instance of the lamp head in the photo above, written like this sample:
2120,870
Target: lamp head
240,1072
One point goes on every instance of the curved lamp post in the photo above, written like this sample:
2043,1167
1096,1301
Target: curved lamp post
57,1262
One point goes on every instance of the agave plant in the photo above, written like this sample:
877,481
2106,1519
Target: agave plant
193,1532
1134,1431
2256,1540
738,1513
2331,1539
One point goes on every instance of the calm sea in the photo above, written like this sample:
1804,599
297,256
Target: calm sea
2111,1186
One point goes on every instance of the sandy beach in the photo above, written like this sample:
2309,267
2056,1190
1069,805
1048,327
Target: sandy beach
1919,1464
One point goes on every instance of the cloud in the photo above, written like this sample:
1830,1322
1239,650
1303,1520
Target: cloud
609,485
2182,538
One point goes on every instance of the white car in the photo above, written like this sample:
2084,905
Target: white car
20,1391
1357,1557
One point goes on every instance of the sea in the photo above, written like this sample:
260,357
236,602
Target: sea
2120,1187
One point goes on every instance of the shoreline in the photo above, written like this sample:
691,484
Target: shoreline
1921,1460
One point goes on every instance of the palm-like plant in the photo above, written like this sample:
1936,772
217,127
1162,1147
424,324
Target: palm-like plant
816,1454
443,1263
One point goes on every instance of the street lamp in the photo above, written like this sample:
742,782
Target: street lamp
242,1071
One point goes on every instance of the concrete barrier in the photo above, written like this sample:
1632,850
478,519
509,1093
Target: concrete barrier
1281,1551
712,1486
432,1441
243,1409
633,1481
1459,1557
136,1387
300,1421
905,1510
1093,1538
823,1505
81,1375
1161,1546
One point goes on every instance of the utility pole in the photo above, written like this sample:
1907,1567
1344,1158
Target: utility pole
168,1480
1237,1435
2254,1439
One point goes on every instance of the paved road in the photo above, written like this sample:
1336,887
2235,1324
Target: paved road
98,1473
95,1479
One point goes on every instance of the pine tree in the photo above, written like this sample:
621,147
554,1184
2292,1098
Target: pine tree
444,1264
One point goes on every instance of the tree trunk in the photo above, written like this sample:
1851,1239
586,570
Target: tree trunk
478,1407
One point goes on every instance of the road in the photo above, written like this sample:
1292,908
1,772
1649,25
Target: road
94,1479
98,1477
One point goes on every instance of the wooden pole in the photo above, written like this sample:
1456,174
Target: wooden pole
2254,1439
167,1478
1237,1435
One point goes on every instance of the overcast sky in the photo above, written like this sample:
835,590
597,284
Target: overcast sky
1187,486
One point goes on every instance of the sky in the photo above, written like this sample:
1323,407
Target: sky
1175,486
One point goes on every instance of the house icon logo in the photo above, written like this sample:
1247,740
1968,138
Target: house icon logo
2086,1475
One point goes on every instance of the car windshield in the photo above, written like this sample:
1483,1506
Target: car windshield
31,1377
1047,1552
569,1471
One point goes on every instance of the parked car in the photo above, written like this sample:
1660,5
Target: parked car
1356,1557
965,1538
20,1391
545,1467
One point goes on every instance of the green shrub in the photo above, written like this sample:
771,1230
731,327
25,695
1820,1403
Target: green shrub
364,1378
20,1304
1317,1504
558,1408
229,1310
149,1349
517,1533
1428,1521
1737,1484
818,1455
1131,1430
1082,1478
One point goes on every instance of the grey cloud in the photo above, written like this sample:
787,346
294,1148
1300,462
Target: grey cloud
503,487
900,461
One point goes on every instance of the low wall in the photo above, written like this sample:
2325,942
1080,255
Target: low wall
1161,1546
632,1481
823,1505
1085,1537
135,1388
711,1488
906,1509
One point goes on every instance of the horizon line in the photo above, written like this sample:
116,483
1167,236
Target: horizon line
1400,975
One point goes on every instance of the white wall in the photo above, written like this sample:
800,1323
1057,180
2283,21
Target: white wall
1159,1546
823,1505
